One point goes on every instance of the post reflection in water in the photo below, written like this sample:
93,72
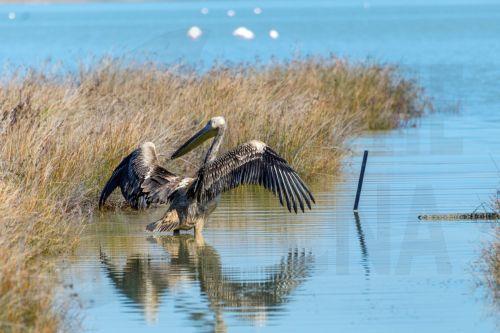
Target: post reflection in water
362,245
144,280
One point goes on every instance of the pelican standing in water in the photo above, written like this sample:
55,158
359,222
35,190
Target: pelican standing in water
144,182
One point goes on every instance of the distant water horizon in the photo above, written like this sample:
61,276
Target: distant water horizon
34,35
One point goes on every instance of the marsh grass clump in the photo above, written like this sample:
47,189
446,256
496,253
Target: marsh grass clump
490,267
489,263
491,260
62,135
30,239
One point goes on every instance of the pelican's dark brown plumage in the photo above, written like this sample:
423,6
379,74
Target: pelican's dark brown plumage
141,179
144,182
252,163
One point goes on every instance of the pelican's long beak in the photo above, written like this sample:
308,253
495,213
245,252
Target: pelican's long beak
203,135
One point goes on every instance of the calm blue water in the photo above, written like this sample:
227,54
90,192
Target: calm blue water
260,269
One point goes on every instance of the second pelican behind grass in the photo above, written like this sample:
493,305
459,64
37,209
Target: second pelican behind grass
144,182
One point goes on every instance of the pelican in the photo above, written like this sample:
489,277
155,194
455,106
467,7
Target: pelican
144,182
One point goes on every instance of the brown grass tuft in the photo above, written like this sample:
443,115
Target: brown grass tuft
62,136
492,256
490,261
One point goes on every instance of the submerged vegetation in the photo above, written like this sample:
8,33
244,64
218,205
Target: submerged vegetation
63,134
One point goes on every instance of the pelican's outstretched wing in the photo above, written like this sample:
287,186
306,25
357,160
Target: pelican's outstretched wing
252,163
141,180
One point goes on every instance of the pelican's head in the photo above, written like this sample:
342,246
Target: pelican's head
210,130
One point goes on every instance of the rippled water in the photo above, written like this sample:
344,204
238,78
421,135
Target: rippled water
258,267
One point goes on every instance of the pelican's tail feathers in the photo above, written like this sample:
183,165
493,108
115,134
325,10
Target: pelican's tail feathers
169,222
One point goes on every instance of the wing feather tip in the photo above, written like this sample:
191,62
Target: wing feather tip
238,168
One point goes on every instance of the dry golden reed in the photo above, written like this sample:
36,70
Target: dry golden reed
62,135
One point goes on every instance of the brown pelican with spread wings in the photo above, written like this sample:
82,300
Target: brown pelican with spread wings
144,182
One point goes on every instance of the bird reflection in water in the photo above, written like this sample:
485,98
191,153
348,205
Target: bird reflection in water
144,280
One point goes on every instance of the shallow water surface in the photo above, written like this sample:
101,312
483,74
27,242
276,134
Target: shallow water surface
259,267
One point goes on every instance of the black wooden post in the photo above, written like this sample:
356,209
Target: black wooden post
360,181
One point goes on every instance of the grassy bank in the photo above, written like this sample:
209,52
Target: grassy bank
63,135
